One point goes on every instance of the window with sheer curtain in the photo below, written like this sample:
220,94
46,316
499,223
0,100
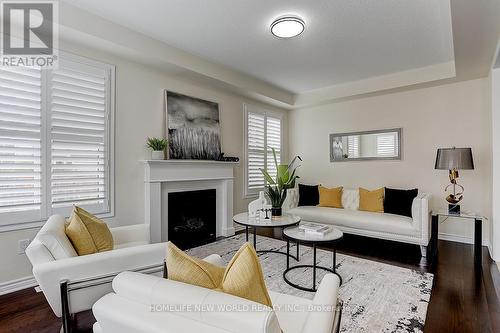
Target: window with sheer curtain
55,140
263,132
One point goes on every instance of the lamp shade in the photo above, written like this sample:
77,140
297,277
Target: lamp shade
454,158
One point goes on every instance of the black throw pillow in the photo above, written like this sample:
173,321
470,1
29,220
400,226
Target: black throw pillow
308,195
399,201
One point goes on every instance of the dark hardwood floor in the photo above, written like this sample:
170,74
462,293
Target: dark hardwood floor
464,297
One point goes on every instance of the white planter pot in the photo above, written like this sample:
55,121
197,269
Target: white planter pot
157,155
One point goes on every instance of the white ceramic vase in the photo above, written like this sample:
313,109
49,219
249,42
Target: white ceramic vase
157,155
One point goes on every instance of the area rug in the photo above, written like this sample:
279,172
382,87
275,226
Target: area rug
377,297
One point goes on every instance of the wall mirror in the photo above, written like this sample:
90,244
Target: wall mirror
367,145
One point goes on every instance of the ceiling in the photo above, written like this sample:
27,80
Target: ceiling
344,40
350,48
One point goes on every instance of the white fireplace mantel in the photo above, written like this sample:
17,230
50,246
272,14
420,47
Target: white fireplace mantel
164,176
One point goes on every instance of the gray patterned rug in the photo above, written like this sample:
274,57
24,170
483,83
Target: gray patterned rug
377,297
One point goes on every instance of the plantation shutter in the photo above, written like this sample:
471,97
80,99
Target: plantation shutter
20,144
255,151
79,150
263,134
386,145
353,146
273,140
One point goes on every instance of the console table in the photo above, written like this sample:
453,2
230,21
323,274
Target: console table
478,230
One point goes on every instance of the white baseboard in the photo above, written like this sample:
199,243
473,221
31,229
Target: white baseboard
18,284
460,238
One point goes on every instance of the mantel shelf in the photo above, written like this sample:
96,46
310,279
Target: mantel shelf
188,162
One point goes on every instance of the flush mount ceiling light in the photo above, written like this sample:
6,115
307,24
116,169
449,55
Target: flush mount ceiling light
287,26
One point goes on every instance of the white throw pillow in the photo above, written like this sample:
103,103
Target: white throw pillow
350,199
54,238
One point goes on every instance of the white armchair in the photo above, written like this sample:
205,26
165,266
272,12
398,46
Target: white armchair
73,283
149,304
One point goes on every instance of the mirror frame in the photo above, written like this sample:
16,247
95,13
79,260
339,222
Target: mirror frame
400,145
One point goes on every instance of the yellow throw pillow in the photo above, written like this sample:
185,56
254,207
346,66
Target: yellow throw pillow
242,277
184,268
330,197
371,201
87,233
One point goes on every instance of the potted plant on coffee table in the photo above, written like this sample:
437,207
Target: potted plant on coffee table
158,145
285,179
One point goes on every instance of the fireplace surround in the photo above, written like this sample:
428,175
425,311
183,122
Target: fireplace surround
162,177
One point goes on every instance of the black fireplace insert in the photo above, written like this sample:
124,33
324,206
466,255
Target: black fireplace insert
192,218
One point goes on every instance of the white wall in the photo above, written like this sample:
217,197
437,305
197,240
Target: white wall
443,116
139,114
495,121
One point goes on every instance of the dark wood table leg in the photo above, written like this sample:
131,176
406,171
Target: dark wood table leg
478,241
434,236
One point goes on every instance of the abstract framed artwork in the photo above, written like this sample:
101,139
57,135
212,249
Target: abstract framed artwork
193,127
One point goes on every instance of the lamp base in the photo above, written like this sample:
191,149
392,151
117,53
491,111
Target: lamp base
453,209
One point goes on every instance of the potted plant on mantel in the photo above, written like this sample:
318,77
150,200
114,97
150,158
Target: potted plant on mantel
158,146
285,179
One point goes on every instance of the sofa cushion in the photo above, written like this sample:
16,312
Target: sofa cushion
371,201
399,201
53,237
308,195
330,197
350,199
381,222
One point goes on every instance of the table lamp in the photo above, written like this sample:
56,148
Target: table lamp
454,159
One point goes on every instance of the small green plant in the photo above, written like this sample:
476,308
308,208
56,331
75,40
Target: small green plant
157,144
285,179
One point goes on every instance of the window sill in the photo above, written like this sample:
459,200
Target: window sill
39,224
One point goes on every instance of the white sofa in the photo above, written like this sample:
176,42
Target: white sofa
413,230
73,283
149,304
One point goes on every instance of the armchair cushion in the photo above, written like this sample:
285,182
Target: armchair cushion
130,235
191,302
53,237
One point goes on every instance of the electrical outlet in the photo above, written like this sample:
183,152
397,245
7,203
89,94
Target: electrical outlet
22,245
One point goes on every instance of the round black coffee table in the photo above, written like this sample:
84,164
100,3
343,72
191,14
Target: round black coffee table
284,221
299,236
